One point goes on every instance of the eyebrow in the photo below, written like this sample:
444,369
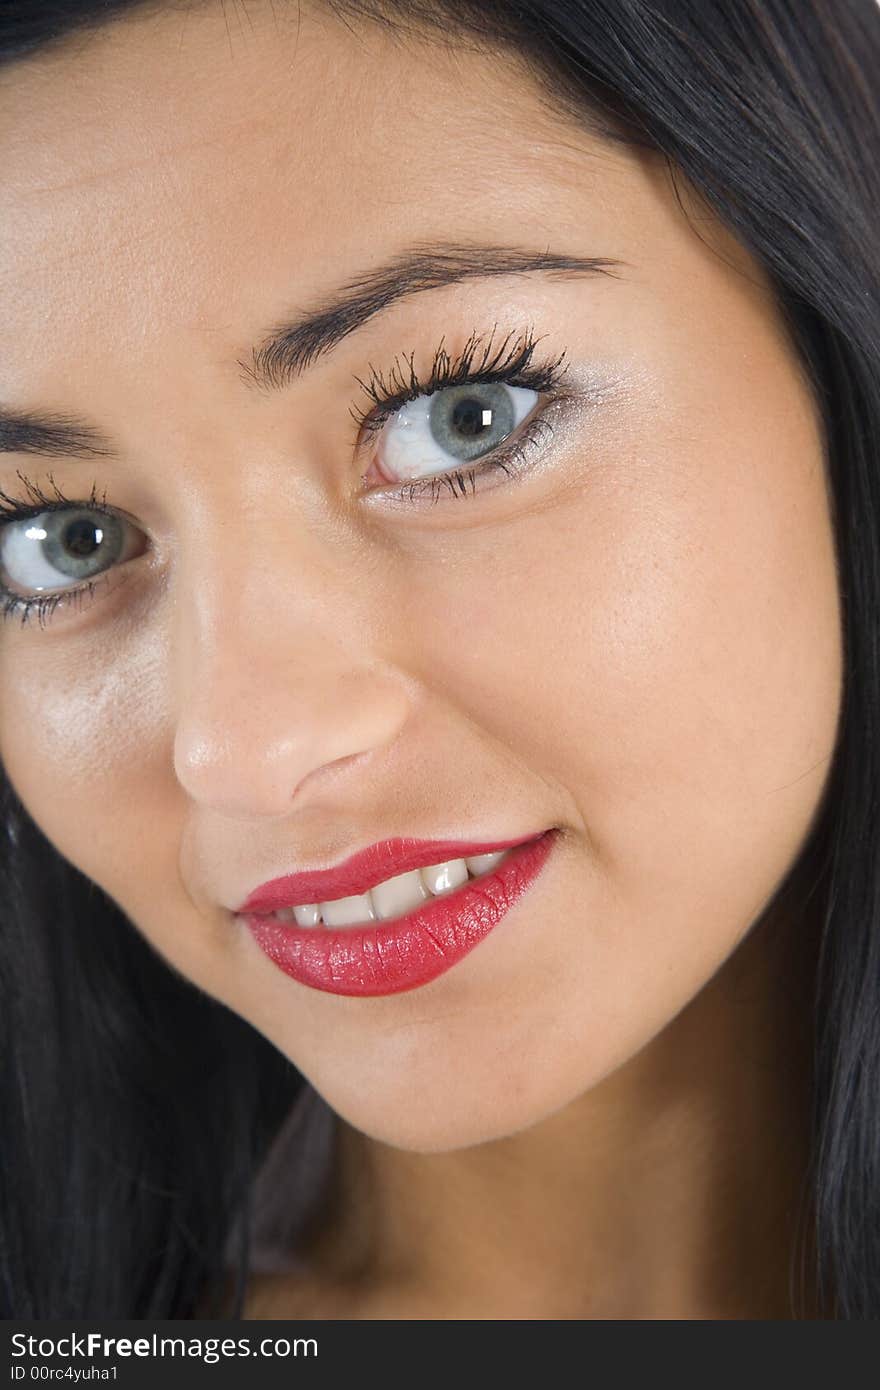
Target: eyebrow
290,348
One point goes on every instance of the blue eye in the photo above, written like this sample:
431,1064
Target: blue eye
467,419
46,550
465,412
433,434
58,548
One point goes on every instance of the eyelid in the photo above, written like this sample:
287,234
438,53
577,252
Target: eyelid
512,364
557,384
43,603
536,432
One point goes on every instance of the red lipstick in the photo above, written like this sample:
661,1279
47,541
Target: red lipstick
403,952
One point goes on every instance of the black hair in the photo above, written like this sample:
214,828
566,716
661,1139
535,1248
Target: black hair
136,1109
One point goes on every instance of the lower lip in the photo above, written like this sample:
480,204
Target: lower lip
389,957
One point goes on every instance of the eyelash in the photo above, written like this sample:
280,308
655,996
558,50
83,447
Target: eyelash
44,605
512,365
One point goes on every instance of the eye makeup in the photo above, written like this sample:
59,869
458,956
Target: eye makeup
513,364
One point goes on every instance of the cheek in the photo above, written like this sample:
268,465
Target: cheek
664,647
663,651
90,757
81,738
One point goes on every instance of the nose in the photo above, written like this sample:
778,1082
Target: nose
275,685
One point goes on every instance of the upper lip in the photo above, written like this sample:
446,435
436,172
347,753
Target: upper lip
364,870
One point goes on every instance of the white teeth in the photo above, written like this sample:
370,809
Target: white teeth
439,878
481,863
346,911
308,915
398,895
395,896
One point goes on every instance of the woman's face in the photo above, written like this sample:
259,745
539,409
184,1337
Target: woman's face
635,640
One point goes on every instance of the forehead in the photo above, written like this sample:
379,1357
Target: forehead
178,174
178,131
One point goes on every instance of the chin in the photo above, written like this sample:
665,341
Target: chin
442,1124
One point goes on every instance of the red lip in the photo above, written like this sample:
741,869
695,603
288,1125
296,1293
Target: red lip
389,957
363,870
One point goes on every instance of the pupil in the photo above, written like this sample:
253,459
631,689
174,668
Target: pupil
81,538
467,417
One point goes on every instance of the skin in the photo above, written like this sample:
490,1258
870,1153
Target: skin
600,1111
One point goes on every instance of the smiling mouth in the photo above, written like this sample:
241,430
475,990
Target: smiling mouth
375,956
392,898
